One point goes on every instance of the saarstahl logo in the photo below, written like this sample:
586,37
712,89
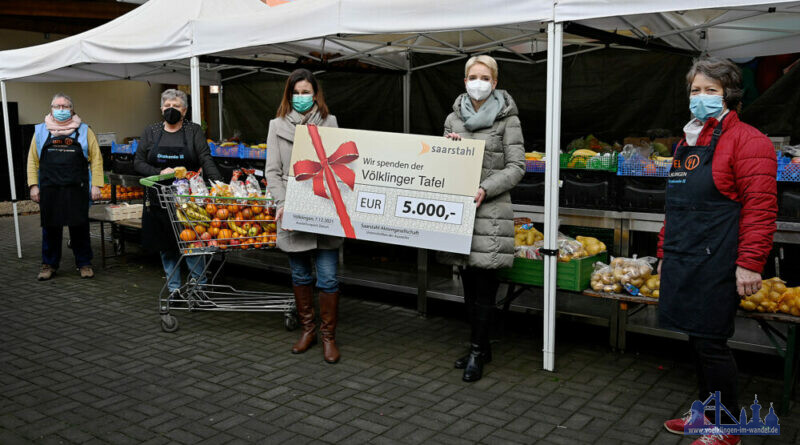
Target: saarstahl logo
458,151
699,424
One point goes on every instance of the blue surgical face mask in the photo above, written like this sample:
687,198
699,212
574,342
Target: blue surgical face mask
302,102
62,115
704,106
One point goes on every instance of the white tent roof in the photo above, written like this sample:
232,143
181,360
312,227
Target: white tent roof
159,30
755,30
154,41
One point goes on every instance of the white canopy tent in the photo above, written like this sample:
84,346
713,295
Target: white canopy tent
167,30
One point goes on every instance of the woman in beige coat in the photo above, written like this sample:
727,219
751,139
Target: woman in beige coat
486,113
303,103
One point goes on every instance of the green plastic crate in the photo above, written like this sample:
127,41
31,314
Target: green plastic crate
573,275
606,163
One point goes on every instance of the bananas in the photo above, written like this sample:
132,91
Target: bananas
193,215
240,230
584,152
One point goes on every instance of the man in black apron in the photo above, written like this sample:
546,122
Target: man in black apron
63,185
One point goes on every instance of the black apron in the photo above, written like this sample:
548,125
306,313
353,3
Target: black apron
701,239
157,232
63,182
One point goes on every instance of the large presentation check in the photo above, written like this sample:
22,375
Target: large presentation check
395,188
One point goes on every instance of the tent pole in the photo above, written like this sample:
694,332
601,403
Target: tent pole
407,96
197,113
552,147
219,104
7,128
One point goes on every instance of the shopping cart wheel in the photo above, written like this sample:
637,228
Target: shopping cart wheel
290,322
169,323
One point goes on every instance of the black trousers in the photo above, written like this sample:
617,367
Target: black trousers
716,371
480,291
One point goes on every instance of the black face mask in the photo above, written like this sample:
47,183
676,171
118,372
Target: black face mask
172,115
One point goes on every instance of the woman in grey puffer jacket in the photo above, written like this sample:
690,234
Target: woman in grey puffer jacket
491,115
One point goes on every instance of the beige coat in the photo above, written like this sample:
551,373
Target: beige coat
503,168
280,140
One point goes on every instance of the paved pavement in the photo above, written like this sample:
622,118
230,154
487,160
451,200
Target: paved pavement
85,361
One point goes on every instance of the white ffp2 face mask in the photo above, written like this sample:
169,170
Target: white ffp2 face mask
479,89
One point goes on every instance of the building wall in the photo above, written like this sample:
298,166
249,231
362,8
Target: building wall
122,107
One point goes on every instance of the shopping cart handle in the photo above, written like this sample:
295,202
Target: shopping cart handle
150,181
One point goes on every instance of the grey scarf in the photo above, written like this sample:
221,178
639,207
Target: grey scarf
485,115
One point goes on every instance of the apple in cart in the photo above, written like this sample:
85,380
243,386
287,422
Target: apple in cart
206,236
254,230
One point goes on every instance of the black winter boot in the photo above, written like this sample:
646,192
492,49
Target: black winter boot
473,371
480,350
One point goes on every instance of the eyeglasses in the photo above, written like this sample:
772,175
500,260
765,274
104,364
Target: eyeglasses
61,107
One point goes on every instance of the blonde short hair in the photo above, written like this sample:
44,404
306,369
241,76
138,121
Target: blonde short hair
484,60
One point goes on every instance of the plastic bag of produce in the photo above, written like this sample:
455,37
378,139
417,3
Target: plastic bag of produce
603,280
790,301
528,252
526,235
591,245
181,184
197,185
633,271
769,298
569,248
219,188
238,188
251,184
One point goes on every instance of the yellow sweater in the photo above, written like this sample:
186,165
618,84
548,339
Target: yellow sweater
95,161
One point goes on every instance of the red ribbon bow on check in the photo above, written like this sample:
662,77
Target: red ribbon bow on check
323,171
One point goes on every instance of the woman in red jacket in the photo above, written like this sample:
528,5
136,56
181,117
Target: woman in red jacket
720,218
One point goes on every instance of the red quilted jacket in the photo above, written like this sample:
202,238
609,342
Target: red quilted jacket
744,169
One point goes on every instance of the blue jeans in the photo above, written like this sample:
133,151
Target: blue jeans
52,240
327,262
196,265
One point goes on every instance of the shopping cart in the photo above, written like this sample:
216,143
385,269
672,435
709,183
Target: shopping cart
213,226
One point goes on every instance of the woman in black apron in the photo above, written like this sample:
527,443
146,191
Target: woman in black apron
173,143
62,150
709,197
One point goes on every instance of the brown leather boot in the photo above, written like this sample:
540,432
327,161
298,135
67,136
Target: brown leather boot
328,314
304,298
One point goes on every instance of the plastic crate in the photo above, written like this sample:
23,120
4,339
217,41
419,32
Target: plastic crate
642,194
640,166
600,162
787,170
589,189
530,190
127,149
230,151
789,201
252,153
534,166
573,275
